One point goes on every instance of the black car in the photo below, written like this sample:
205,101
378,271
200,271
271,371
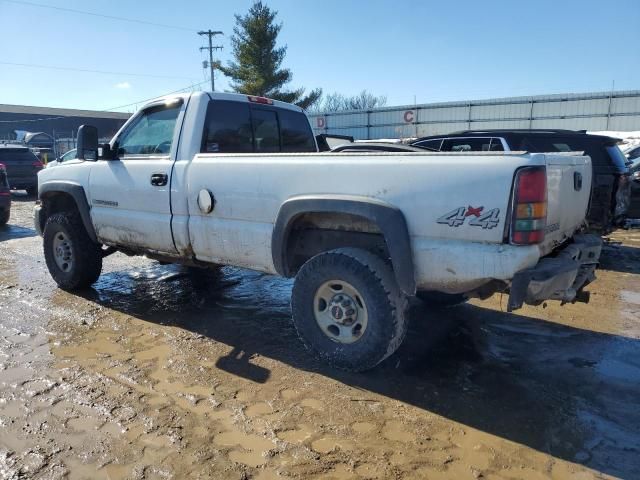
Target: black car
610,193
22,167
634,207
5,197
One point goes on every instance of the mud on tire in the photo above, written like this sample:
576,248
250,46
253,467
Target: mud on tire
65,238
382,302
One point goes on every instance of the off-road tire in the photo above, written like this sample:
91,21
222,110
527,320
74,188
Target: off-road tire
385,304
87,255
4,217
439,299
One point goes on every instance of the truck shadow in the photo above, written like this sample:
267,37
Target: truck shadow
620,258
568,392
12,232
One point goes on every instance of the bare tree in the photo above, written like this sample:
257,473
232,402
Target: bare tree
337,102
365,100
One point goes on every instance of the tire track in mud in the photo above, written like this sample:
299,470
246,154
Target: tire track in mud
155,374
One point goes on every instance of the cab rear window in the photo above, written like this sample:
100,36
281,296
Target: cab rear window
238,127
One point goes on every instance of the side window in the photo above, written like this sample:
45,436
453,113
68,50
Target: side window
227,128
295,132
151,133
265,130
466,145
71,154
433,145
496,145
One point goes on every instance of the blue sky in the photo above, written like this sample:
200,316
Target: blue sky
433,51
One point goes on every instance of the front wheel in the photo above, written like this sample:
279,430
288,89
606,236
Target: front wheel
4,217
73,260
348,309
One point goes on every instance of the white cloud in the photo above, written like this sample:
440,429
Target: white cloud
123,85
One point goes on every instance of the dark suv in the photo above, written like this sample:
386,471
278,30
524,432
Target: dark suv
22,167
5,196
610,186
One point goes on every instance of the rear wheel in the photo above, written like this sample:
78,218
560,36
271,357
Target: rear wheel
4,216
73,260
440,299
32,191
348,309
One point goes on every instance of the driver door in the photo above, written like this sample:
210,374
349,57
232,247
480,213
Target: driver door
130,196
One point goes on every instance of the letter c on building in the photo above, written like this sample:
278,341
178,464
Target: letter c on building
408,116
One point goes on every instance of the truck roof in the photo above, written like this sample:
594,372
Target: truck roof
233,97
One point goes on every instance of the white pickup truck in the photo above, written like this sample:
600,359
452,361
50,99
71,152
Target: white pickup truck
209,179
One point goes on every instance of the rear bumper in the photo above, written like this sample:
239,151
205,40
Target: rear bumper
561,277
18,182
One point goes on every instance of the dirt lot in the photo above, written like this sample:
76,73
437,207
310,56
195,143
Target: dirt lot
156,373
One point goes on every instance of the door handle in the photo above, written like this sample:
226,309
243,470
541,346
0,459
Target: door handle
159,179
577,181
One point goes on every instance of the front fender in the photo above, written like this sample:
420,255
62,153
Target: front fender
49,189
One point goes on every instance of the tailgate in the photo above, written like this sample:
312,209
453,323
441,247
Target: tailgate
568,193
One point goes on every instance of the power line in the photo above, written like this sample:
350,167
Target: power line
93,14
86,70
108,109
152,98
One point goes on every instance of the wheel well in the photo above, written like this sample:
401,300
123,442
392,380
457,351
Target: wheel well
56,202
312,233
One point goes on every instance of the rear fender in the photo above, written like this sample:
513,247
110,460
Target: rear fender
389,219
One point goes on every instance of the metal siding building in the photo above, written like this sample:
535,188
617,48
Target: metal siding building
58,122
618,111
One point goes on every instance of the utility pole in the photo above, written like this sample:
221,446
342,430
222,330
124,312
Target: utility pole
211,48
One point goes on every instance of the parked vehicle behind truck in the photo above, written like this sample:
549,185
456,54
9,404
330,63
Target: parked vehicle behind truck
207,179
5,196
22,167
610,186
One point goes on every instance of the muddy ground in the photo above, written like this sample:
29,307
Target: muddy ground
156,373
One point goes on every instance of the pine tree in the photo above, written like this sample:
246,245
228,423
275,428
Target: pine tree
255,69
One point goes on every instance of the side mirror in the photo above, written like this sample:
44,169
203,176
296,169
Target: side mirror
87,143
106,153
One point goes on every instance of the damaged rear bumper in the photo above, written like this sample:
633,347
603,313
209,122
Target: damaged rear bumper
561,277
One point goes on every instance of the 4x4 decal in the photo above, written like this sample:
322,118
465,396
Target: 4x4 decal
457,217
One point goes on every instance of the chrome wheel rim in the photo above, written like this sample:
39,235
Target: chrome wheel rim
63,251
340,311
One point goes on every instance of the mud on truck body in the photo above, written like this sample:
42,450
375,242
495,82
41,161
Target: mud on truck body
209,179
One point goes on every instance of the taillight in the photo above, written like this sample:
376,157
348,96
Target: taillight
263,100
530,206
